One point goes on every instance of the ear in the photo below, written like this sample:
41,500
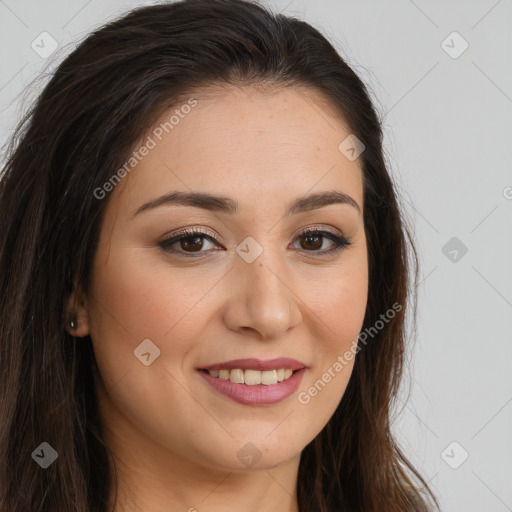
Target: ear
77,314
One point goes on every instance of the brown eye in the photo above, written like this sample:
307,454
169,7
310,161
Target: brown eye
193,243
188,242
312,241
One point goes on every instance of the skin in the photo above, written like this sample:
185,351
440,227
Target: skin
174,437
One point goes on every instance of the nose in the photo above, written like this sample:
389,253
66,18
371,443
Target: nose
262,299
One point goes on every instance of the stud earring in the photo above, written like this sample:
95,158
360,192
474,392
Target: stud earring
73,322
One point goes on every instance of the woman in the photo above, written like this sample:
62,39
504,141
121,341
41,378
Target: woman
205,276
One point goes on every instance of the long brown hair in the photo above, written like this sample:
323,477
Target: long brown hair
94,109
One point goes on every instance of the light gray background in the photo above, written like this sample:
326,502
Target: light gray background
448,124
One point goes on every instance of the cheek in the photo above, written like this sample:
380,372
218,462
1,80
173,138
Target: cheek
143,297
135,299
338,303
338,306
345,304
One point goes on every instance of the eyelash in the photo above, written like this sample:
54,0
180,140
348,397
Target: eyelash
340,242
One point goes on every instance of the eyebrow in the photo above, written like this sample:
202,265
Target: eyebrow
228,205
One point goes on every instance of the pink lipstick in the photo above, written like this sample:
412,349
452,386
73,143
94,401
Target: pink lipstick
255,381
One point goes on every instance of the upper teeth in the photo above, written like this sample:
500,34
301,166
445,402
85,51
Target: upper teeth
253,377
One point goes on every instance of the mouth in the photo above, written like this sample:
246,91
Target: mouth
254,381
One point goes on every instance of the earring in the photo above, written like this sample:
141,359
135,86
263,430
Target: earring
73,322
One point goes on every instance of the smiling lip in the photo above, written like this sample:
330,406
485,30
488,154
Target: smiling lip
257,364
259,394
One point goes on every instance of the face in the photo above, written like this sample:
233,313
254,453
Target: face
248,283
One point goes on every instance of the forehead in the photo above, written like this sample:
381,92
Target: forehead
240,140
